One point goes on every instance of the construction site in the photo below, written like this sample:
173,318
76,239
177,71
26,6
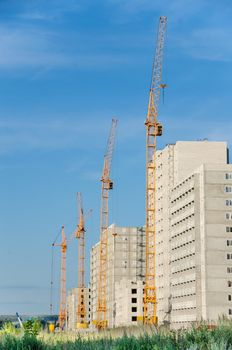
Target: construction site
175,269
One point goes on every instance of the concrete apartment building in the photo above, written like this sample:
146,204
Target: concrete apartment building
128,302
126,269
194,229
72,308
194,243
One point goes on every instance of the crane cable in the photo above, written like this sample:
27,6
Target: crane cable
51,283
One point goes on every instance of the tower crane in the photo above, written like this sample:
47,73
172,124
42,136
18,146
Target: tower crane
80,235
62,312
107,185
153,129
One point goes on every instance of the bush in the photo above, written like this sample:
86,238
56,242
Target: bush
9,328
32,327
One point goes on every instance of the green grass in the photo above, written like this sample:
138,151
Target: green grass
202,338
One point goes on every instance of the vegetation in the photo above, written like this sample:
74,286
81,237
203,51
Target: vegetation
201,337
32,327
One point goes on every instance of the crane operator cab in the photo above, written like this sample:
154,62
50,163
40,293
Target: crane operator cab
158,129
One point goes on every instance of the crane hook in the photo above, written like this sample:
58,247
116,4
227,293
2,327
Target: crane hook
163,86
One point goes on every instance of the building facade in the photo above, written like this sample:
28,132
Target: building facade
126,262
129,302
193,244
201,244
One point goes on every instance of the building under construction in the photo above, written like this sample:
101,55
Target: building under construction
193,255
125,268
176,269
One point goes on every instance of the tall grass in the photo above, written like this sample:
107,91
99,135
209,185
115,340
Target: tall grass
200,338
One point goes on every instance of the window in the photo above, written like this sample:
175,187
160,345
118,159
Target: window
230,311
134,291
228,229
228,216
228,176
229,202
228,189
229,283
229,297
134,318
229,242
134,300
229,256
134,309
229,269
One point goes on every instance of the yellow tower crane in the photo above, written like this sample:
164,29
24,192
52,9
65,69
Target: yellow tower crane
62,312
107,185
153,129
80,235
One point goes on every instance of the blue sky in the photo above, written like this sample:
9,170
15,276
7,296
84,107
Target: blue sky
67,68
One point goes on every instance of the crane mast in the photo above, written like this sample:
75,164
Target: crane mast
80,235
153,129
107,185
62,312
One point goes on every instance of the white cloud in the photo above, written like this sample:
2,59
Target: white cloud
65,133
44,10
176,9
190,30
27,47
32,47
35,16
49,135
210,43
25,135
